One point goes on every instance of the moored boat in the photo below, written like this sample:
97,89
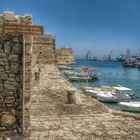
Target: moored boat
93,91
130,106
118,94
83,75
83,78
63,67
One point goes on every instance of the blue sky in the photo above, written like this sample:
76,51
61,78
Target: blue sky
100,26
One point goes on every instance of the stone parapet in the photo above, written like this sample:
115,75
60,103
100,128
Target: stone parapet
10,17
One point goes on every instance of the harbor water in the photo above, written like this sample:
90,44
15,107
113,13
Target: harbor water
112,73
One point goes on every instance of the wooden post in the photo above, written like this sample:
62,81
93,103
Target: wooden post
23,82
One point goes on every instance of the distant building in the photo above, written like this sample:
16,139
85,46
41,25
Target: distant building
65,56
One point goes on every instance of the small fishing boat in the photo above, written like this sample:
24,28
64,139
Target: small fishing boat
84,75
118,94
84,88
63,67
130,106
83,78
93,91
69,72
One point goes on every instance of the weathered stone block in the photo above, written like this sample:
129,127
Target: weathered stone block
10,85
11,75
10,105
7,120
9,93
28,59
8,16
1,86
2,55
27,77
9,99
14,58
27,85
16,49
1,29
2,128
7,47
3,75
27,121
4,60
28,50
14,67
15,39
6,67
1,48
3,105
1,100
17,78
28,39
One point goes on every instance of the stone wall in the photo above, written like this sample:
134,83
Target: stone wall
19,54
10,82
15,75
65,56
44,49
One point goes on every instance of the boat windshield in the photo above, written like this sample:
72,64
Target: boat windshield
122,90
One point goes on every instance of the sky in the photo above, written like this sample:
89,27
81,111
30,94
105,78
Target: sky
100,26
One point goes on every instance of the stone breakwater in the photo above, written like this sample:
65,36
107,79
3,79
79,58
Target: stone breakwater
52,118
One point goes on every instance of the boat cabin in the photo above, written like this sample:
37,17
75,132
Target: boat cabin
123,90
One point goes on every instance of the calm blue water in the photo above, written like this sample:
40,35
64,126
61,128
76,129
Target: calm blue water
112,73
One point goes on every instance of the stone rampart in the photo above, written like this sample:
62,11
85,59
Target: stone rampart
10,17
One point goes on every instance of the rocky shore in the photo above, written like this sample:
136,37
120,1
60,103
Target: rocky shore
52,118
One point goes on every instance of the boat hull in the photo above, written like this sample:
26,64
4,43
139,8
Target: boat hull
129,108
91,94
110,99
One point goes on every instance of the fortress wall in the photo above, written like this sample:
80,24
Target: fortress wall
10,82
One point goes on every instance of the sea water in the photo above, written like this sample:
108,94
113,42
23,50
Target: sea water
112,73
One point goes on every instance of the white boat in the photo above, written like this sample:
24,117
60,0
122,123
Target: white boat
80,78
93,91
63,67
130,106
86,88
74,73
118,94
